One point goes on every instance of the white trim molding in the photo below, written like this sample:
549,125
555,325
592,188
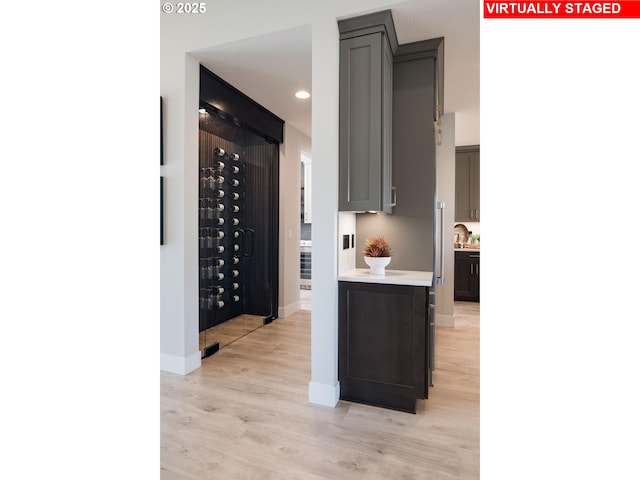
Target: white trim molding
289,309
180,365
322,394
445,320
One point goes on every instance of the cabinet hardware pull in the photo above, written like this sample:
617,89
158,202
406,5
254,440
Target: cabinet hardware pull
440,278
252,237
394,196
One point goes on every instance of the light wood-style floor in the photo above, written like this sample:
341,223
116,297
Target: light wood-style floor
230,331
245,415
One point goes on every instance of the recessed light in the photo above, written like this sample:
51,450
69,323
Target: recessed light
303,94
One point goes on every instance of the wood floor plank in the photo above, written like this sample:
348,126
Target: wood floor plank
245,415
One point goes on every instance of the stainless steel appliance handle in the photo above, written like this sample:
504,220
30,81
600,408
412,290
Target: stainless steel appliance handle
440,276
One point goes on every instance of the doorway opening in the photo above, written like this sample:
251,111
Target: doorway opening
305,231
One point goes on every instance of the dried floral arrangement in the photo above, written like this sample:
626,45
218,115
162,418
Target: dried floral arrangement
377,247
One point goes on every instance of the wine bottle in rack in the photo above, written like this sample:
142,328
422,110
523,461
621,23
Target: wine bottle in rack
235,169
235,273
219,151
236,233
219,262
236,260
218,290
235,182
219,248
236,247
218,193
236,298
235,208
235,286
235,221
204,302
234,156
218,165
235,195
218,179
220,207
210,273
219,304
218,221
219,234
219,276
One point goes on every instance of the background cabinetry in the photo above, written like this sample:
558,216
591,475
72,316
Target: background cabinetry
468,184
366,76
467,276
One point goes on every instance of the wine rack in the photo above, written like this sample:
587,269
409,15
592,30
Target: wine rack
225,243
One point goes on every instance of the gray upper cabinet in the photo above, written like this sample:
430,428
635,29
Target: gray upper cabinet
468,184
366,91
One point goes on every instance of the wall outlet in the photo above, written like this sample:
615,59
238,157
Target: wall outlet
345,242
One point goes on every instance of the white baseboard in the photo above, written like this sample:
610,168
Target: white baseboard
289,309
445,320
180,365
322,394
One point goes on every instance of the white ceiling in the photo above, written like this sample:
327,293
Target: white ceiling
271,68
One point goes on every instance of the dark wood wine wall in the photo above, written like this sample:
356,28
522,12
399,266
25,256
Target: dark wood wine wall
238,212
262,182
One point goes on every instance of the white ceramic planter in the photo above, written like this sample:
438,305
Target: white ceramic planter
377,264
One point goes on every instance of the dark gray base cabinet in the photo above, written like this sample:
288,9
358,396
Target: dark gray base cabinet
466,285
383,344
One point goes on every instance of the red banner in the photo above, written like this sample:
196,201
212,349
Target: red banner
561,9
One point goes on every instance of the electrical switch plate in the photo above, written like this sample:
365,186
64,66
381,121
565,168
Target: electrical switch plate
345,242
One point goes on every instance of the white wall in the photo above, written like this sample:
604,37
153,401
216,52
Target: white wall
346,226
446,168
295,144
222,23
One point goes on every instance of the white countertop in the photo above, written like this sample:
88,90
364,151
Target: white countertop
392,277
466,250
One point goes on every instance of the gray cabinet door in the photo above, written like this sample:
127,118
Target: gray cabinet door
467,184
366,72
